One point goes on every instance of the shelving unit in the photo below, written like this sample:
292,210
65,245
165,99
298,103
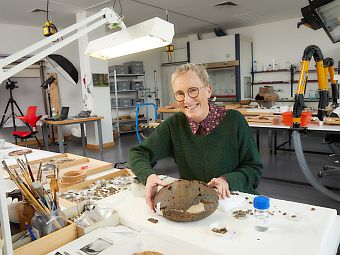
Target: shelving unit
292,70
125,89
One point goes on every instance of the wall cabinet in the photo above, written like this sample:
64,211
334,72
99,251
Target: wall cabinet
235,49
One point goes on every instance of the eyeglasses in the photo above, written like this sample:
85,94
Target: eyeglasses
192,92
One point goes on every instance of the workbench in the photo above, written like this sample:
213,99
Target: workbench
316,232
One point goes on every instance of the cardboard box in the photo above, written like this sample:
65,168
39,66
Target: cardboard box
50,242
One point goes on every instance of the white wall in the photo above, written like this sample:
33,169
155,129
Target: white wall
281,41
284,42
16,38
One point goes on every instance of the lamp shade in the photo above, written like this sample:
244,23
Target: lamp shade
329,17
150,34
323,14
64,67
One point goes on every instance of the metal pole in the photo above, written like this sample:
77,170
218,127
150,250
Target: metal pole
4,219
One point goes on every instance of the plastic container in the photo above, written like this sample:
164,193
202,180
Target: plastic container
47,224
287,118
261,213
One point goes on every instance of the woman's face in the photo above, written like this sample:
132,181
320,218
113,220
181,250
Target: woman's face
196,108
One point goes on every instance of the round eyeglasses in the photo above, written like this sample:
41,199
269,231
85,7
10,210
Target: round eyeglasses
192,92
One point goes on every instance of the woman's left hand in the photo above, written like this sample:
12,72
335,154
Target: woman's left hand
221,185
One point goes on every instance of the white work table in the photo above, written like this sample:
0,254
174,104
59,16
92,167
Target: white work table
317,233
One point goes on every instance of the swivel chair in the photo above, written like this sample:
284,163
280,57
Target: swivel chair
333,141
30,119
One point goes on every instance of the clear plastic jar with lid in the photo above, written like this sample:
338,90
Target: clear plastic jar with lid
261,213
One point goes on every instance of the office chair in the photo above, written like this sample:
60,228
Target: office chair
333,141
30,119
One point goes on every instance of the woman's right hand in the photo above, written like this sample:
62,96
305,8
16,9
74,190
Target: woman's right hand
151,187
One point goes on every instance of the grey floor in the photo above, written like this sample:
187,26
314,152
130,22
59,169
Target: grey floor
282,177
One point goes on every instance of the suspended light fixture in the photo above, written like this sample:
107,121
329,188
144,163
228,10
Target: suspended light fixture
49,28
150,34
169,49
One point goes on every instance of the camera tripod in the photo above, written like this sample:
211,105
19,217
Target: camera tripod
11,102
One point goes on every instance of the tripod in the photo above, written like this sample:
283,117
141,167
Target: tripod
11,102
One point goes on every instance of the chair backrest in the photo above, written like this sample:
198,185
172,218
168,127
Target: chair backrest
31,110
31,118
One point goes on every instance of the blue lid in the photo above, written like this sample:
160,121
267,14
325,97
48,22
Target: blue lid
261,202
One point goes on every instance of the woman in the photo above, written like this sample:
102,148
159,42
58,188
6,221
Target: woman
208,143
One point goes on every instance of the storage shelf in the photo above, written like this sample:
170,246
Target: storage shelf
122,91
129,120
273,71
270,82
313,71
123,107
312,81
127,74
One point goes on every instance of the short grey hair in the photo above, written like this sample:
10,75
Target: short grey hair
200,71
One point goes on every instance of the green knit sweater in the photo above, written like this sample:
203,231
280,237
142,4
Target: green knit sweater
228,150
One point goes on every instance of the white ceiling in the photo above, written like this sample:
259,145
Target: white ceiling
198,15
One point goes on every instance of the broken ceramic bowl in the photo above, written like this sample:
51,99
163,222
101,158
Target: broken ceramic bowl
186,201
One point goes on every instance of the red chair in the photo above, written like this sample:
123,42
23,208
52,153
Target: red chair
30,119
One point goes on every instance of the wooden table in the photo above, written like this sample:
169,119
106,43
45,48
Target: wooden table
82,122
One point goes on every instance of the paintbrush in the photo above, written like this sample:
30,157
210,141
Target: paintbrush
57,188
29,169
39,175
36,204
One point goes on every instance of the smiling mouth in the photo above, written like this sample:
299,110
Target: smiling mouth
191,107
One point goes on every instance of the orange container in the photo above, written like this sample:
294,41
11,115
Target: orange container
287,118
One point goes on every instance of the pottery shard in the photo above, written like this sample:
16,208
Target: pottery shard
186,201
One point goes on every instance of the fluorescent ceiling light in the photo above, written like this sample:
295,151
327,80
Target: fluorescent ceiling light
325,14
329,15
150,34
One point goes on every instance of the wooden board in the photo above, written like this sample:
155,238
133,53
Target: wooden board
85,183
71,121
260,119
332,121
54,94
50,242
79,162
245,112
80,186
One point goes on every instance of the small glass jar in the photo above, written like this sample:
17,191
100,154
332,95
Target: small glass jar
39,223
47,224
261,213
